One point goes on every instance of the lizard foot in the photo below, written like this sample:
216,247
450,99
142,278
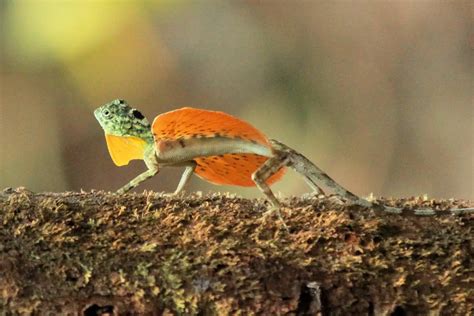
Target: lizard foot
274,210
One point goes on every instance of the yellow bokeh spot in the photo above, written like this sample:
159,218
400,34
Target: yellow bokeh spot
41,31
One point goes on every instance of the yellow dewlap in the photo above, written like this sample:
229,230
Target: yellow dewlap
122,149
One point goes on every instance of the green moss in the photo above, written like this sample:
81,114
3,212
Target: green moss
217,255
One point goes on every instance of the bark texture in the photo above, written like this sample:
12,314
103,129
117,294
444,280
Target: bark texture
96,253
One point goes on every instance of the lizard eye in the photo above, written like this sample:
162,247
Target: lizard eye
137,114
106,113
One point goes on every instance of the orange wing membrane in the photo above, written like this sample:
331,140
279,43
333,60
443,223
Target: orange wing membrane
189,122
231,169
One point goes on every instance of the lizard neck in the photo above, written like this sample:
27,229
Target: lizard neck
143,132
148,138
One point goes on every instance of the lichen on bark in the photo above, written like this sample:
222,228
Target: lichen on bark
92,253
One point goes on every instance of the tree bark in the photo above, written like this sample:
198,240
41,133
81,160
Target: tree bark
97,253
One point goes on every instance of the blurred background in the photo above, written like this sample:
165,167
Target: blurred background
379,95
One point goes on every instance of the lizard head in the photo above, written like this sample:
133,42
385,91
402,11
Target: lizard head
127,131
120,119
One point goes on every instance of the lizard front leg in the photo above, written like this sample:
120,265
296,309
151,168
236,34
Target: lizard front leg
188,172
137,180
152,165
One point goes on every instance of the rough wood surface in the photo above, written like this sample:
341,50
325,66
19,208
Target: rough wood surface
94,253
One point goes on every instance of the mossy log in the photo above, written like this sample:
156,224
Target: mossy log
95,253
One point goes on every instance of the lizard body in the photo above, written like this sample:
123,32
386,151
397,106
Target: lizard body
217,147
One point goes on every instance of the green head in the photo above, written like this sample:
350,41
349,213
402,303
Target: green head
119,119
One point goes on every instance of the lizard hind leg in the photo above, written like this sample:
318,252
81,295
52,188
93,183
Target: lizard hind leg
311,181
269,168
313,174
